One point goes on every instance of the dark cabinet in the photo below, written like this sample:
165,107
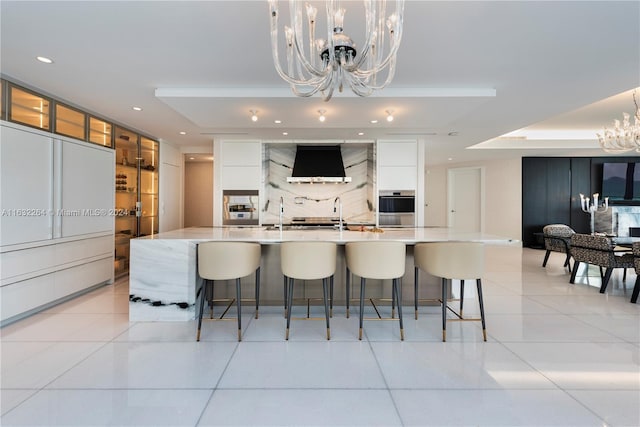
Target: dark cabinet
546,195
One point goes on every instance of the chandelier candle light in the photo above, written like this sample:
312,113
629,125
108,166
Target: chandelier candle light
593,207
624,136
318,65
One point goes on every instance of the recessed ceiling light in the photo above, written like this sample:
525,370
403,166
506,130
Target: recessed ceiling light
277,122
44,59
373,122
182,132
285,133
137,108
360,133
192,158
450,158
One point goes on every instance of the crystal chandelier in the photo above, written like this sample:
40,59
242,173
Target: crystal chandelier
624,136
318,65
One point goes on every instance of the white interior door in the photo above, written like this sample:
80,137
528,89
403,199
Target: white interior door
465,199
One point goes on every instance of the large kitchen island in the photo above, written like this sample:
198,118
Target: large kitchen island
163,279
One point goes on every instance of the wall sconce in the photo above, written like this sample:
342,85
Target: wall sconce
254,115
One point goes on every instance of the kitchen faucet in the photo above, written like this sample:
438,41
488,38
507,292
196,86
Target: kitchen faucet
281,211
336,200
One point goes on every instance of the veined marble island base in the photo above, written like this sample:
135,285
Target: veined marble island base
163,279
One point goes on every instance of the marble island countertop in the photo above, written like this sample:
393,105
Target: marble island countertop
163,280
269,235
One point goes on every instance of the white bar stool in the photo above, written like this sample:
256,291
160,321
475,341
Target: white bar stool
227,261
378,260
309,260
451,260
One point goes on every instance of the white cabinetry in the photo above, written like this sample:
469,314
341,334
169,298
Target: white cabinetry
26,186
397,165
241,162
56,228
238,167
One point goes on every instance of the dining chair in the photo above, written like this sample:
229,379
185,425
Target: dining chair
636,264
598,250
557,238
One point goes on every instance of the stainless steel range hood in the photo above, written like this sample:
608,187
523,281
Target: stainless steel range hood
318,163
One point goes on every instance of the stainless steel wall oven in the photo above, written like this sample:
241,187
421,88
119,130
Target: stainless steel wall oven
240,207
397,208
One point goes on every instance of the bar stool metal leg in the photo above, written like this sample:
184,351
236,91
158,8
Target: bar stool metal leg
239,305
203,297
257,290
461,296
484,327
393,302
444,309
415,291
362,283
397,290
326,307
289,305
348,290
285,279
331,296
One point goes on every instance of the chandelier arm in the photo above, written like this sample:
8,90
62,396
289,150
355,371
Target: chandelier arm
394,38
288,77
395,44
296,18
390,74
358,87
321,86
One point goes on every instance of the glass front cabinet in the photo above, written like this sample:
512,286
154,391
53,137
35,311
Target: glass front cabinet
136,192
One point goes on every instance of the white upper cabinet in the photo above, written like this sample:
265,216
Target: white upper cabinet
241,164
397,153
241,153
397,165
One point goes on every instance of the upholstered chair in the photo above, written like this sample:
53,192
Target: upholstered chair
597,250
636,265
557,238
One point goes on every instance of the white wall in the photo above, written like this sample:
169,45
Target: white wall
503,195
171,188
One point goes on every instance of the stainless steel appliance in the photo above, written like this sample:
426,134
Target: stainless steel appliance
397,208
240,207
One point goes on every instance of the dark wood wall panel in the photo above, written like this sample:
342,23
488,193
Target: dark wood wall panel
580,183
551,188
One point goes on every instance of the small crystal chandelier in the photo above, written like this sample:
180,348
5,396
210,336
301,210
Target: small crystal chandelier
318,65
624,136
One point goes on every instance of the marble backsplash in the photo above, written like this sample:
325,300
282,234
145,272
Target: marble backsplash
317,200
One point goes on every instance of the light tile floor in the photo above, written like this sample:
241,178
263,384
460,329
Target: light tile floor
557,354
